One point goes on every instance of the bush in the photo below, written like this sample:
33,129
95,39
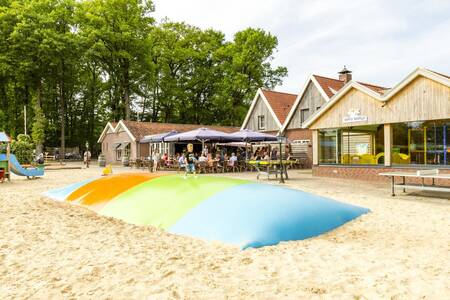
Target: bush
23,148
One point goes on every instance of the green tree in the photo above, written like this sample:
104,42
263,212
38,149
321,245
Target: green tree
248,67
116,31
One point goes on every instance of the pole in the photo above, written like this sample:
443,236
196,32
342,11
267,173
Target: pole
25,118
151,162
281,164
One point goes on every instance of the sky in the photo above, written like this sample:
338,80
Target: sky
381,41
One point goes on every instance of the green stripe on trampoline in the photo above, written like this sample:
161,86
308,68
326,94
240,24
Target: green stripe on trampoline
162,201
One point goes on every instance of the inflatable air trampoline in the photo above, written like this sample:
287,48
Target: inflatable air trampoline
233,211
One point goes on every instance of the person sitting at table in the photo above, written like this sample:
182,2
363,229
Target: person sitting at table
257,152
202,158
233,157
274,154
165,159
266,156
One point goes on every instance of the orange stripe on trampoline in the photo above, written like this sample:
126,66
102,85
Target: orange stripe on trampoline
97,193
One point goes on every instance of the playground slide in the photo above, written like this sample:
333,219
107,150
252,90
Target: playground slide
17,169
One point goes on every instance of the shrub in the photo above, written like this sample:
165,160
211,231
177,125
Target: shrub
23,148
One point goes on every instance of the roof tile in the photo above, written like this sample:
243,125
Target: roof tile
331,85
281,103
141,129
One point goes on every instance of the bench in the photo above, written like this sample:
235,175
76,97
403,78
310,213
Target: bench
421,174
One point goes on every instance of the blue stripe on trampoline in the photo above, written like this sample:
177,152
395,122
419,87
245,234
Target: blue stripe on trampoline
62,193
256,215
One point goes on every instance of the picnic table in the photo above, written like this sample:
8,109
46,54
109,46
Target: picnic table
269,167
422,175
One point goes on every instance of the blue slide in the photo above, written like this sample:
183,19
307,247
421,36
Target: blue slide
17,169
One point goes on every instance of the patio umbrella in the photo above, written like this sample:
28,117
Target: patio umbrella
157,138
4,138
200,134
248,136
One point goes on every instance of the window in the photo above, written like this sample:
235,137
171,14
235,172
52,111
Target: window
304,113
421,143
261,122
361,145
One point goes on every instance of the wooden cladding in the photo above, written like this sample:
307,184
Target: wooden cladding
422,99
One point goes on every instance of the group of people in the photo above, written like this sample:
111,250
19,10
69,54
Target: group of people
264,153
189,159
219,157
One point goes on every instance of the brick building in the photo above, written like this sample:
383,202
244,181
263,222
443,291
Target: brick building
124,138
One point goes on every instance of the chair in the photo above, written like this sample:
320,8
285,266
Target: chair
232,166
218,167
201,165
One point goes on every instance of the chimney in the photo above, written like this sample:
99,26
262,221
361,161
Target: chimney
345,75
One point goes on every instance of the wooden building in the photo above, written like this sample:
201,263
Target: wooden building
362,130
124,138
268,111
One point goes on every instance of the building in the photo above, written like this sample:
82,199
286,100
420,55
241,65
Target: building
316,92
363,130
123,138
268,111
276,112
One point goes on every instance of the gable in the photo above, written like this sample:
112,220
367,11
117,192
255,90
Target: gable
311,100
422,99
261,109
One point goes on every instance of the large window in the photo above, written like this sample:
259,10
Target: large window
421,143
362,145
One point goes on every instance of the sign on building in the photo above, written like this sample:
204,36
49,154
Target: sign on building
354,115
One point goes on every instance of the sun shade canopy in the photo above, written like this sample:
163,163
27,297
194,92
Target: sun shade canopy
202,135
249,136
157,138
4,138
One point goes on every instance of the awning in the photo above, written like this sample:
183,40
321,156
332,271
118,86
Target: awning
116,145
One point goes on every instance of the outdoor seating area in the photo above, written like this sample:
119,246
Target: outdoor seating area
217,152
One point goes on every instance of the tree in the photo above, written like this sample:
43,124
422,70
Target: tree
248,67
117,30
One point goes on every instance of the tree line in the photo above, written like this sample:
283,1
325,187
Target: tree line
75,65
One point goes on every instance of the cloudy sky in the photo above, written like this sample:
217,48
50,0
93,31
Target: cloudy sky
381,41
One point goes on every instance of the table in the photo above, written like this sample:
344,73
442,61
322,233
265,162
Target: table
268,164
422,174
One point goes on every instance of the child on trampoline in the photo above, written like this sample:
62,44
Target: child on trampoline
190,162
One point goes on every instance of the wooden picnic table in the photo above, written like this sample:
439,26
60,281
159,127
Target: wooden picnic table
421,174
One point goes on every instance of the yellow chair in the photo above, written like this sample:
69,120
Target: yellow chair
400,158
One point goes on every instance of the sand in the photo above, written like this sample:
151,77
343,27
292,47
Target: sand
50,250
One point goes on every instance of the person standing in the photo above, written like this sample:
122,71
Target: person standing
87,158
190,162
156,159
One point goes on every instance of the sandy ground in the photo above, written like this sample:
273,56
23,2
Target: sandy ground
52,250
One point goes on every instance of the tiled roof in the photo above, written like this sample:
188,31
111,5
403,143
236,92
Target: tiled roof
281,103
329,85
332,86
141,129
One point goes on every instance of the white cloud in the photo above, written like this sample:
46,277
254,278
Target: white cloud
381,41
